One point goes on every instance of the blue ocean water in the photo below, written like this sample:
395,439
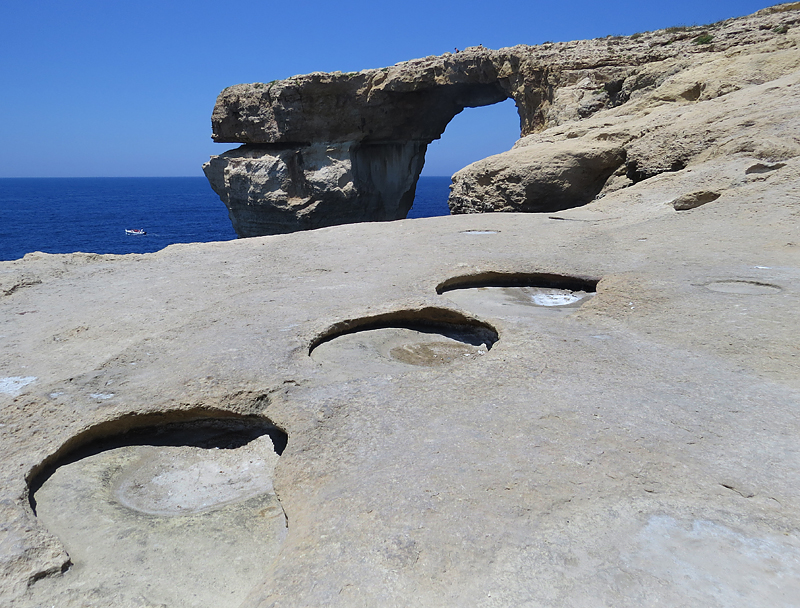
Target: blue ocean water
431,197
64,215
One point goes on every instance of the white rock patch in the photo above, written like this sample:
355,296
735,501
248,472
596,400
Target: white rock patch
178,480
14,384
556,297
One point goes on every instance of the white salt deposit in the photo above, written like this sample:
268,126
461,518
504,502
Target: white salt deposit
14,384
557,297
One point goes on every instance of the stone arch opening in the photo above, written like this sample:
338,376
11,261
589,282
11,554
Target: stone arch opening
327,149
471,135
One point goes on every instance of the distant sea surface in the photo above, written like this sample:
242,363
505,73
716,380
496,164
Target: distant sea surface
65,215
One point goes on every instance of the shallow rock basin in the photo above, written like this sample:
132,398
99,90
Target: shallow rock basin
378,350
175,525
518,301
185,479
743,287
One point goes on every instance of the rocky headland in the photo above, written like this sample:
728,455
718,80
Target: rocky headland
590,405
595,116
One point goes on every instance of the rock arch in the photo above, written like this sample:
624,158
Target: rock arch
325,149
333,148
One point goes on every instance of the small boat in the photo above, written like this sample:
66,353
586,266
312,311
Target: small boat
139,231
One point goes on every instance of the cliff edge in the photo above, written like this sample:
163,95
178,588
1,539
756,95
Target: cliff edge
595,115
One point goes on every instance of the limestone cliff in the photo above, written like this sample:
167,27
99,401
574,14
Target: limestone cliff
324,149
327,149
273,189
666,114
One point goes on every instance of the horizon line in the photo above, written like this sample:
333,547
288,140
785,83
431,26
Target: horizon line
131,176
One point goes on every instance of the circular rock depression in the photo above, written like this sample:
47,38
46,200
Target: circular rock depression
743,287
183,514
518,294
427,338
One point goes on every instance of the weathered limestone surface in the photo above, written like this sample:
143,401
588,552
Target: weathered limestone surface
279,189
703,102
551,176
638,87
465,447
639,449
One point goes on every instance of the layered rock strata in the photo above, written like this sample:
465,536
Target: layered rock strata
273,189
325,149
663,116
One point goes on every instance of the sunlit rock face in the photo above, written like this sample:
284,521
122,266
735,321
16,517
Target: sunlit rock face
595,116
273,189
589,407
327,149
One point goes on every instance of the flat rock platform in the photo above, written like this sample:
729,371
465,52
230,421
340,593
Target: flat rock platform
595,407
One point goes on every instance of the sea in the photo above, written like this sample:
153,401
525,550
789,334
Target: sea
65,215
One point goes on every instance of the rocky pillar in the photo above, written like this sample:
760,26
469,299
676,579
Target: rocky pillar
273,189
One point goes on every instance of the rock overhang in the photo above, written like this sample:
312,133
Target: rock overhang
373,105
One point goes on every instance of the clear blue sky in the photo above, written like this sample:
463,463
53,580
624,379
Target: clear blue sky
100,88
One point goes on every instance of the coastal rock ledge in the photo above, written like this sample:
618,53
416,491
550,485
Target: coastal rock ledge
595,116
592,407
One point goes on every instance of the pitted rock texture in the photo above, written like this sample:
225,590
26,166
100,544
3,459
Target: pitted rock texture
271,184
638,448
647,433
